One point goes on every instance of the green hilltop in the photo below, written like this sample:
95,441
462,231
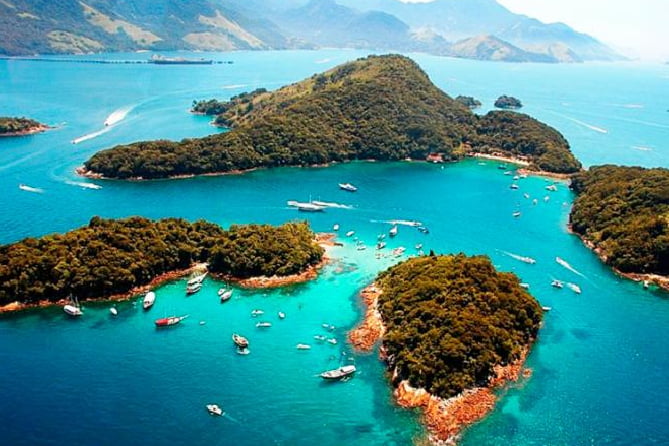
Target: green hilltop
381,107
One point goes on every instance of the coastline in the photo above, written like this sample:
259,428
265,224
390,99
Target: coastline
444,418
323,239
657,279
29,131
524,165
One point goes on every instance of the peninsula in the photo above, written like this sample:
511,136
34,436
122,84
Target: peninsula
20,126
621,213
109,258
452,328
382,108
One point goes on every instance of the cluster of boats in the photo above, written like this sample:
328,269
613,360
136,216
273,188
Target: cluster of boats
194,284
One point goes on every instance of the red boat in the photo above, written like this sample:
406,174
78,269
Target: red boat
167,321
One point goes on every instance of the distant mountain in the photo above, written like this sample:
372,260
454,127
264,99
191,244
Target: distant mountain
461,19
492,48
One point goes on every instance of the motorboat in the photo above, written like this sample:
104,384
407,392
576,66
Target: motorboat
282,315
214,409
303,347
73,308
575,288
168,321
423,229
516,214
332,341
335,228
339,373
347,187
556,283
240,341
524,285
319,338
380,245
194,288
526,195
224,294
149,300
263,324
393,231
546,309
551,187
255,313
418,247
350,233
113,311
514,186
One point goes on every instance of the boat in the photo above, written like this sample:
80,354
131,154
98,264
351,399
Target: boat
263,324
328,327
27,188
347,187
546,308
361,247
502,167
526,195
168,321
160,60
113,311
508,172
303,346
194,288
556,283
197,279
73,308
524,285
380,245
423,229
240,341
524,259
646,284
551,187
535,201
339,373
255,313
305,206
514,186
419,246
516,178
319,337
350,233
213,409
516,214
224,294
335,228
575,288
398,251
282,315
149,300
547,198
332,341
393,231
381,237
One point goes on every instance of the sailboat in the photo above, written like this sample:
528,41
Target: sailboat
168,321
149,300
225,294
73,308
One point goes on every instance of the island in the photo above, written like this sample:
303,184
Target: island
621,213
452,329
116,259
20,126
508,102
382,108
469,102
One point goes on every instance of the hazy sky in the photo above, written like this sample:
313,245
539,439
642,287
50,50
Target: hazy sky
637,27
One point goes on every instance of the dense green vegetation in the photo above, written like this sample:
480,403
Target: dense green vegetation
469,102
623,211
112,256
505,101
451,319
210,107
17,125
381,107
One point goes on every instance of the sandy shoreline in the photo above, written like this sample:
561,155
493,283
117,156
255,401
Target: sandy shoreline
30,131
325,240
445,418
524,164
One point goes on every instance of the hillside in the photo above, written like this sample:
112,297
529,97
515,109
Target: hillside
492,48
381,107
622,212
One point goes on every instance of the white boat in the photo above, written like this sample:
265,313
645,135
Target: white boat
328,327
398,251
380,245
339,373
27,188
350,233
551,187
113,311
303,346
197,279
646,284
524,285
73,308
305,206
263,324
335,228
319,338
524,259
517,214
240,341
514,186
361,247
255,313
535,201
332,341
418,247
213,409
282,315
423,229
575,288
556,283
526,195
516,178
393,231
149,300
546,308
547,198
194,288
224,294
347,187
380,237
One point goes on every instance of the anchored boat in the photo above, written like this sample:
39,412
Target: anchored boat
339,373
168,321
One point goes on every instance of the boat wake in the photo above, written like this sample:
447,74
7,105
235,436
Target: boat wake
233,86
585,124
118,115
83,184
642,148
27,188
565,264
529,260
329,204
326,60
90,135
412,223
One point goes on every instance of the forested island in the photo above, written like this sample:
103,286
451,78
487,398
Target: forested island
469,102
505,101
111,257
20,126
622,212
377,108
449,324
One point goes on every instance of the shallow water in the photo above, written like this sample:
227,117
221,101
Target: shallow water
599,364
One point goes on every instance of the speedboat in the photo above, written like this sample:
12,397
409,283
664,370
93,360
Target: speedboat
347,187
263,324
168,321
339,373
546,308
213,409
419,246
556,283
524,285
319,338
551,187
303,346
149,300
240,341
526,195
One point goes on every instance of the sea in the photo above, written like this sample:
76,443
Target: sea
599,366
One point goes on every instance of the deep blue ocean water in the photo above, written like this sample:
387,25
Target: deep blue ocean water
599,364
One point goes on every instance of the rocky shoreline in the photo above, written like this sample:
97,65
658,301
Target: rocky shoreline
30,131
445,418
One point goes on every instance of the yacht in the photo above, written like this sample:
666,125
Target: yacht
113,311
168,321
516,214
551,187
335,227
73,308
149,300
194,288
347,187
339,373
255,313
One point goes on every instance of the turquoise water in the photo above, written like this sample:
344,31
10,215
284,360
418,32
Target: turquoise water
599,364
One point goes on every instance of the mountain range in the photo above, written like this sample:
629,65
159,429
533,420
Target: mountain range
479,29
